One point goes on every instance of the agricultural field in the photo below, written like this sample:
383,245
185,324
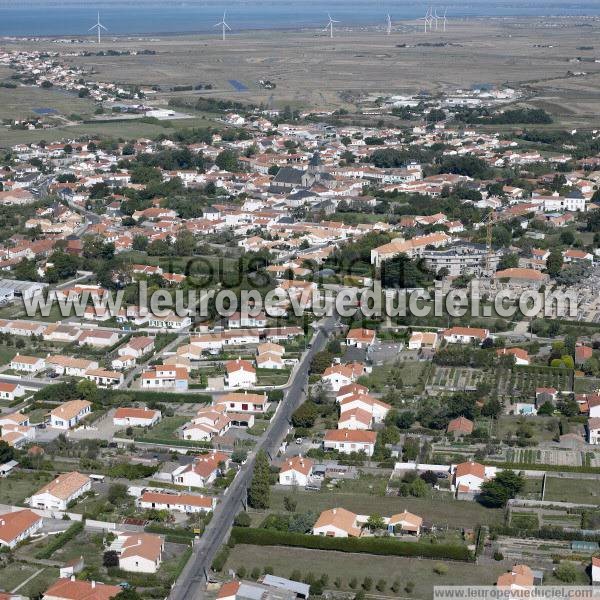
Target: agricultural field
343,567
457,378
523,382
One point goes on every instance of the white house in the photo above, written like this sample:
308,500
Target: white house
139,552
100,338
69,414
104,379
338,376
377,409
183,503
73,367
202,472
465,335
423,339
593,427
355,419
244,402
58,493
596,570
469,476
137,347
18,526
10,391
27,364
347,441
337,522
136,417
166,377
239,373
296,471
360,338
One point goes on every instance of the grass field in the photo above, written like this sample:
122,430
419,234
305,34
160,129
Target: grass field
16,573
408,372
18,486
167,428
441,510
285,561
22,101
586,491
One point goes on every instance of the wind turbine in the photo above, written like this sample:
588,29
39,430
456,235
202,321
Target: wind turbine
444,18
436,17
223,24
389,24
330,25
426,20
98,26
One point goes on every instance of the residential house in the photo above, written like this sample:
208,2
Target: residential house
17,526
57,494
360,338
73,367
103,378
166,377
139,552
337,522
593,430
183,503
521,356
347,441
136,417
405,523
27,364
10,391
239,373
244,402
465,335
423,339
78,589
202,472
520,577
69,414
296,471
460,426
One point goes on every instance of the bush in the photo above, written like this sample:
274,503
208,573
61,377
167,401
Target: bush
372,545
60,540
220,558
242,519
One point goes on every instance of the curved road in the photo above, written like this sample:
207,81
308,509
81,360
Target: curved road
191,582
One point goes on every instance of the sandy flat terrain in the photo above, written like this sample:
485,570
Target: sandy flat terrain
312,70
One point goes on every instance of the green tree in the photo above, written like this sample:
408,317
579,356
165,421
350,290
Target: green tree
259,492
566,572
554,262
228,161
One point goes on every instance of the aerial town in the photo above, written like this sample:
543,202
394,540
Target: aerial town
258,445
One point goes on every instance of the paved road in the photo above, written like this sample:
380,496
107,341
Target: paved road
190,584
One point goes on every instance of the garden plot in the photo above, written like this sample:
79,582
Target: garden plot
524,381
545,456
456,378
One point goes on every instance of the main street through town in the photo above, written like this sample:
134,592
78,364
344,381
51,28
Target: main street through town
191,583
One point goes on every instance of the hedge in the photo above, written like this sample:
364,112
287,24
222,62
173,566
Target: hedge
545,533
60,540
369,545
540,467
174,442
